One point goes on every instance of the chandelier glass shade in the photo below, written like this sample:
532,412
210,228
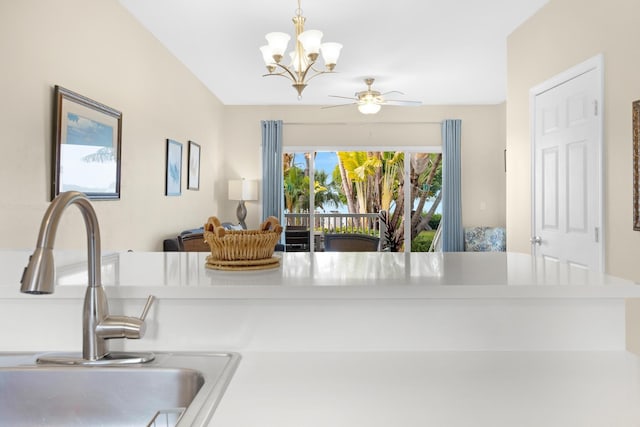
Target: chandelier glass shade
307,49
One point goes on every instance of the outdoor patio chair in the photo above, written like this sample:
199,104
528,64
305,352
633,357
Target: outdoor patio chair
348,242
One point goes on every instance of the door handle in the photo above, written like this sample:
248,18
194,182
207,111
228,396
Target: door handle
536,240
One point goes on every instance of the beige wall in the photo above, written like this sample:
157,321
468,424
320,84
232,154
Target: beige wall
483,142
97,49
561,35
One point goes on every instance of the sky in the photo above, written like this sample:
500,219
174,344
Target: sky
83,131
325,160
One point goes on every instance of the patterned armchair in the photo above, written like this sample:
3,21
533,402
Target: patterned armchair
485,239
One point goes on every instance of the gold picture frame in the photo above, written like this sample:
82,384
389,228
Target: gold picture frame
636,165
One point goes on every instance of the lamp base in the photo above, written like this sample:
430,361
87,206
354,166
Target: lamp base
241,213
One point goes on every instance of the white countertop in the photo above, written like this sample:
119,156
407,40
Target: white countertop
449,389
326,275
370,339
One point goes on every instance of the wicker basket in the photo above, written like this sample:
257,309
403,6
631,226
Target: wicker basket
236,245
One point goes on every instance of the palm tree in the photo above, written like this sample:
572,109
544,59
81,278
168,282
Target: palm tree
294,187
375,181
425,185
356,167
325,192
392,164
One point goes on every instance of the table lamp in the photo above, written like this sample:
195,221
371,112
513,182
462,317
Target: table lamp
242,190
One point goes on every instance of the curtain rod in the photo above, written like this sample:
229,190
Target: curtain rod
357,123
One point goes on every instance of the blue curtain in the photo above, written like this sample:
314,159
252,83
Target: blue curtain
272,168
452,232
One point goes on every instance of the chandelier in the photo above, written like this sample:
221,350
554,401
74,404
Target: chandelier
308,46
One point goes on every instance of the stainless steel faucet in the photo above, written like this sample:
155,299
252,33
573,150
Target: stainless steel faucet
98,325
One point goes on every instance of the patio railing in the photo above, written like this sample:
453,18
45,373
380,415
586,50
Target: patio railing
368,223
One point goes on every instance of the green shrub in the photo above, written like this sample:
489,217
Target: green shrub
422,242
349,230
435,221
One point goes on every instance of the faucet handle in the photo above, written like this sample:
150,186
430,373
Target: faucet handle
124,326
147,306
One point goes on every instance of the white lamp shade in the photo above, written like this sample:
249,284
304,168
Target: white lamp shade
311,40
278,42
267,55
330,52
369,108
243,189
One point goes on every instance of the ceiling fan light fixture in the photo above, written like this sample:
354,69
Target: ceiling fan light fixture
307,49
370,101
369,107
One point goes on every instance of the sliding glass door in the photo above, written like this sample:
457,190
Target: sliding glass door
355,200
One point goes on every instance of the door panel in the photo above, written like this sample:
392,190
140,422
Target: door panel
577,197
550,189
566,168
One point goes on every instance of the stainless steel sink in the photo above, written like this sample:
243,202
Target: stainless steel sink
176,389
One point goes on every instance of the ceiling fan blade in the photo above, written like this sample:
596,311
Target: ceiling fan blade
344,97
393,91
401,102
338,105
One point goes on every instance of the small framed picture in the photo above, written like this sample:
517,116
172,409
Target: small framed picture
193,181
174,168
86,152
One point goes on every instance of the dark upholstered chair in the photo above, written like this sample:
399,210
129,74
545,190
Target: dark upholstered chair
346,242
193,242
172,245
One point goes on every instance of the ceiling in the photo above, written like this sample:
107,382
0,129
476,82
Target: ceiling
440,52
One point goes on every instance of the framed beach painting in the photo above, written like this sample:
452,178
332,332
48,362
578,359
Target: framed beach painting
174,168
193,182
87,146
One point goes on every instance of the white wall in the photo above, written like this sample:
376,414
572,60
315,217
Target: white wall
561,35
483,143
98,50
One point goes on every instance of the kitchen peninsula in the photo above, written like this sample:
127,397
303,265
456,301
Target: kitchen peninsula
495,339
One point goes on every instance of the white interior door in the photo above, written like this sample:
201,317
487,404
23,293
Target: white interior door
567,205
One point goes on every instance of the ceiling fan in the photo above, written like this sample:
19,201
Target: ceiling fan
370,101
